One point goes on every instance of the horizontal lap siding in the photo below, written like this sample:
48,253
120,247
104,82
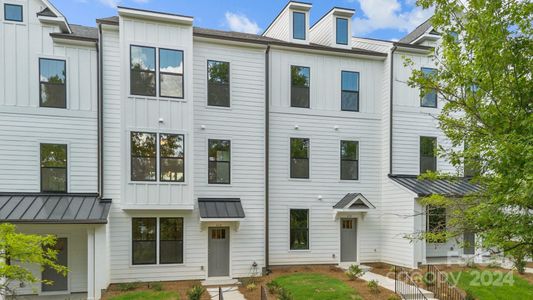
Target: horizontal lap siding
244,124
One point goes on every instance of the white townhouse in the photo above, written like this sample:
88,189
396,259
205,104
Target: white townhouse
155,150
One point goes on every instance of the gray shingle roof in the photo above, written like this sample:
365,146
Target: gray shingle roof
109,20
362,202
417,32
53,208
79,32
220,208
447,187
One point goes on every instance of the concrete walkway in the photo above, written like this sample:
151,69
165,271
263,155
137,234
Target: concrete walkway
229,293
388,283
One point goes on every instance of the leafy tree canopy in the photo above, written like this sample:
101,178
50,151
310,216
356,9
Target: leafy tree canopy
484,76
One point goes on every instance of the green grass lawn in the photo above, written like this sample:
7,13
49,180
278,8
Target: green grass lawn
309,286
140,295
492,285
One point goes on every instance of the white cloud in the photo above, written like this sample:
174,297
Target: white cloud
241,23
388,14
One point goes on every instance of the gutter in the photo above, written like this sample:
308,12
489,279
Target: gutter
267,158
100,105
391,93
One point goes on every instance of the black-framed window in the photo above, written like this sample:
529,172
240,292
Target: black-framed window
144,238
300,79
429,99
436,220
428,157
171,73
342,31
143,156
349,160
299,158
349,91
218,78
53,168
142,71
298,25
171,240
219,160
52,83
171,157
299,229
13,12
471,165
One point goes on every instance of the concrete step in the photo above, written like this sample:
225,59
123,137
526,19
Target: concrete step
219,281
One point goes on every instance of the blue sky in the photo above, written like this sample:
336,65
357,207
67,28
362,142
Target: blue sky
382,19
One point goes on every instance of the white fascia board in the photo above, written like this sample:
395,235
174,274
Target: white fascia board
299,6
342,12
60,17
156,207
155,16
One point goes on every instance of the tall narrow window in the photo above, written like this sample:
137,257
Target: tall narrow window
144,237
428,157
299,223
170,73
143,156
142,71
171,240
13,12
300,86
429,99
349,91
349,160
342,31
52,79
298,26
299,158
172,157
218,83
53,168
219,161
436,221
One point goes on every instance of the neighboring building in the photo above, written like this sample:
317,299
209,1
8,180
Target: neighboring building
149,146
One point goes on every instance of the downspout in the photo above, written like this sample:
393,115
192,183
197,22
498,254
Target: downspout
391,103
99,53
267,157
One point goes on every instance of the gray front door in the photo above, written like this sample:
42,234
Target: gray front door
470,243
348,240
218,251
59,282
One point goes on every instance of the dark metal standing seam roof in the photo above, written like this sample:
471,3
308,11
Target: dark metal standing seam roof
53,208
447,187
220,208
349,198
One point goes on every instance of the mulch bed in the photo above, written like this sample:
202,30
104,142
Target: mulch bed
359,285
179,286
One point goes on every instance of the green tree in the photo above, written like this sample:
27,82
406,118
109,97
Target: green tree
484,76
17,250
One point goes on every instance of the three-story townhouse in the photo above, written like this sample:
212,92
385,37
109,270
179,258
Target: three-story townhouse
48,141
224,153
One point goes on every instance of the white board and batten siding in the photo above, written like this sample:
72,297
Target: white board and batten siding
25,125
243,123
124,113
318,124
411,121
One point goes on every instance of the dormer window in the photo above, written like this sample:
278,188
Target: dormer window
298,25
342,31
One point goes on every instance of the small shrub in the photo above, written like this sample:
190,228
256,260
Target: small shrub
493,264
156,286
273,287
128,286
429,279
373,286
251,286
394,297
196,292
471,264
354,272
519,261
283,294
417,278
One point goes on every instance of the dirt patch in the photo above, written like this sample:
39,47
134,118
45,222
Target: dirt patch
178,286
359,285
